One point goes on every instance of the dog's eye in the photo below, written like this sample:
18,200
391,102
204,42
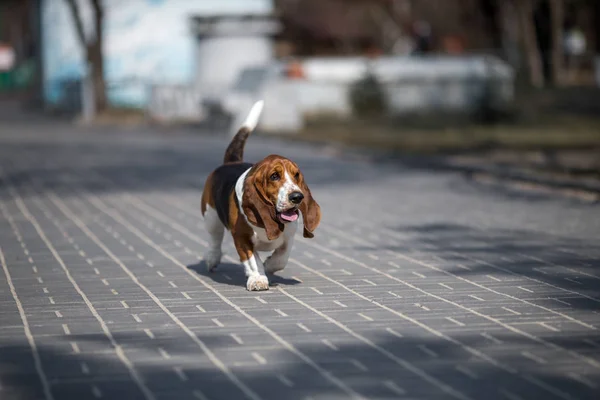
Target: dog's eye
297,176
274,176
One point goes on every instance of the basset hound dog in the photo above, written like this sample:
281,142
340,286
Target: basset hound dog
259,204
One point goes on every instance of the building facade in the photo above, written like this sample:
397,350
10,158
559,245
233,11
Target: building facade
146,43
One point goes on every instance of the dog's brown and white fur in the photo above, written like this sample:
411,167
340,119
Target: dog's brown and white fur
259,204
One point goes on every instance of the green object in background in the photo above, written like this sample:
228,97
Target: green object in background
20,77
23,75
5,80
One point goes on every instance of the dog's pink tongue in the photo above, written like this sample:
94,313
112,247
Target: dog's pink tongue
290,216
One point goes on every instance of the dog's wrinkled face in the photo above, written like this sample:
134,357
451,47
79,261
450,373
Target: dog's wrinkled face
278,184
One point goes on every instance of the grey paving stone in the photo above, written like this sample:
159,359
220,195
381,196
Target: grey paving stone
418,285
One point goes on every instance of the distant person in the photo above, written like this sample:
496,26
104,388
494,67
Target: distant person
422,37
575,45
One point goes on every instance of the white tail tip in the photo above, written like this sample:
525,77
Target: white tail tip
253,116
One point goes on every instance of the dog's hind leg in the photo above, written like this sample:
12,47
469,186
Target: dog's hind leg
216,231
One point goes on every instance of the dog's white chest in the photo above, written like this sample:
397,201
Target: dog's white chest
262,243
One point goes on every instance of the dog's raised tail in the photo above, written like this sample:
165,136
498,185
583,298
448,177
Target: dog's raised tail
235,150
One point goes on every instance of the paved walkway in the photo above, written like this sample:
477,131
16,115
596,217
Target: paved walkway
418,285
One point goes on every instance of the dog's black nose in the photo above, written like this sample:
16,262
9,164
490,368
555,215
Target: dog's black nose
296,197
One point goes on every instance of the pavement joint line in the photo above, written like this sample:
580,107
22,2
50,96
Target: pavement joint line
117,217
510,310
549,327
525,289
84,368
317,291
467,348
392,386
393,332
510,395
585,381
365,317
562,301
405,364
236,338
59,204
199,395
540,340
75,347
533,357
97,392
476,297
281,313
570,269
454,321
180,373
329,344
466,371
463,256
285,380
28,334
163,353
218,323
491,338
427,350
259,358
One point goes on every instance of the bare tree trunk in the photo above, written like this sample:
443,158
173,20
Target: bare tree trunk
93,49
508,20
557,8
96,58
529,35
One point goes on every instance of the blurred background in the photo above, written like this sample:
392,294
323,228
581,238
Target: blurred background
506,80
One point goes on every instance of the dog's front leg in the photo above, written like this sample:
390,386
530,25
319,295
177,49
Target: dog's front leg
279,259
252,264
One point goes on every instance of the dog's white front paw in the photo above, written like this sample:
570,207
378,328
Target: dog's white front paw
212,259
257,283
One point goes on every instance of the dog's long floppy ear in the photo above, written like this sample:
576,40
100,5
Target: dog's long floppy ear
259,210
311,211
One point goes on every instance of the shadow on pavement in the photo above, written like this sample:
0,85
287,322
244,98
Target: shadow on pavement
233,275
570,266
359,366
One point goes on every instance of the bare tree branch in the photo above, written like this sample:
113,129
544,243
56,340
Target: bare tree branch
557,8
78,22
529,35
